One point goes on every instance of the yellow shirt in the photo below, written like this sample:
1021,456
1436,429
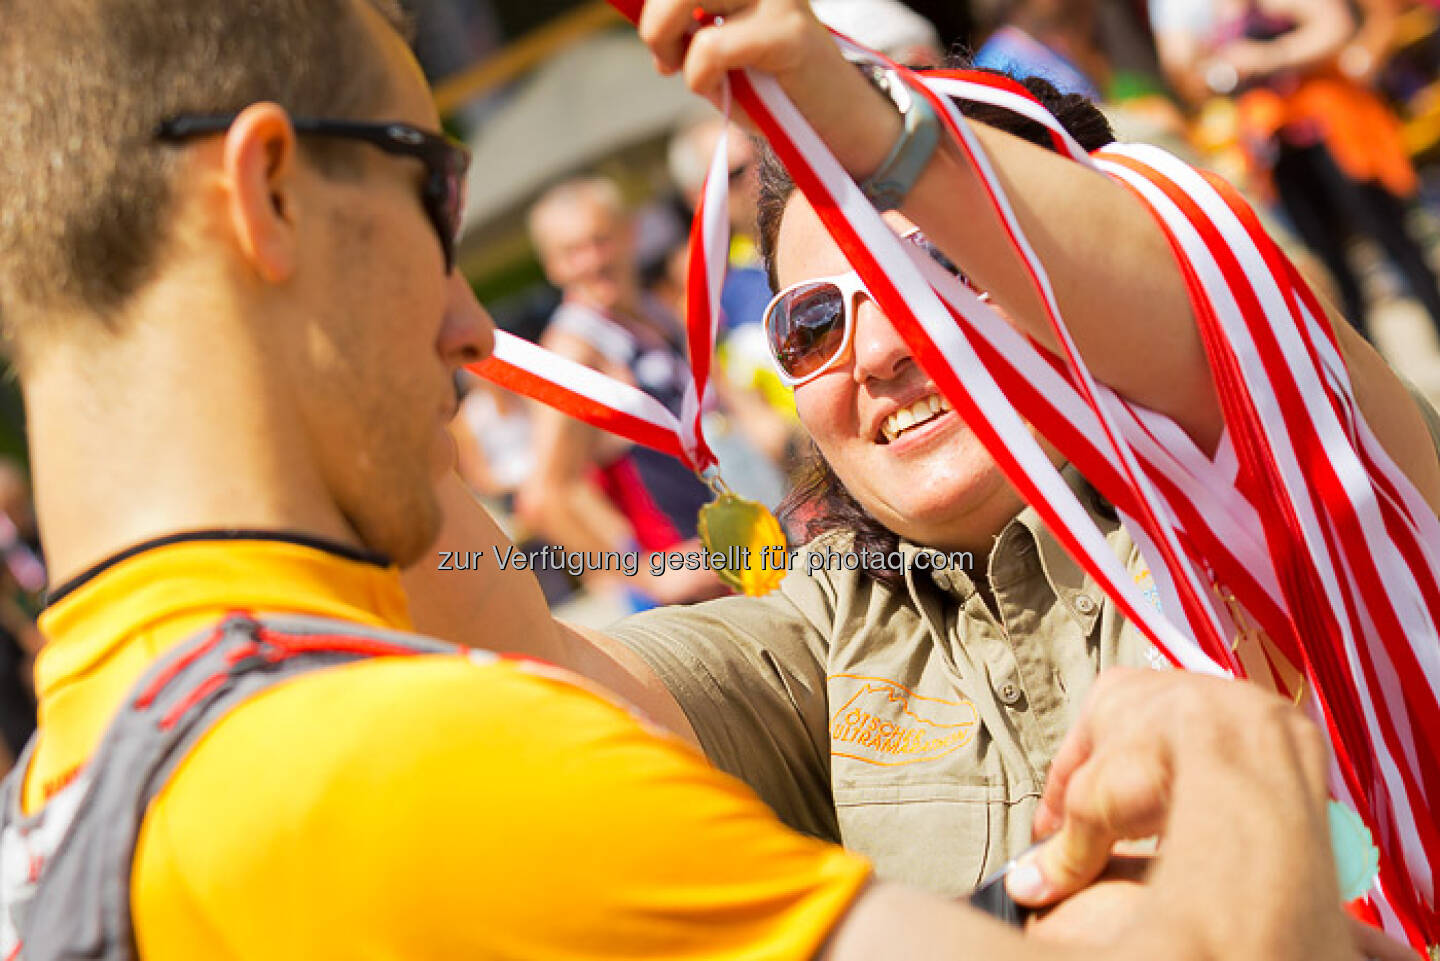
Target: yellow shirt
425,807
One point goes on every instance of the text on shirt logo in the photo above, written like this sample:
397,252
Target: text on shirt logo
888,724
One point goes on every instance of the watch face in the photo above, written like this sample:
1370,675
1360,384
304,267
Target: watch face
889,83
899,91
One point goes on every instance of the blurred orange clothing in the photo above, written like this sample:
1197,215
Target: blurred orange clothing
417,807
1361,133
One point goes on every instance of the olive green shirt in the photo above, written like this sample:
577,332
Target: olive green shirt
914,726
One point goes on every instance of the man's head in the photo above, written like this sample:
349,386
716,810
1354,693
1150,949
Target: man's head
305,268
586,243
688,158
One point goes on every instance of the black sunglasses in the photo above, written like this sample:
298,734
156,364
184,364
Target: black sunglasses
445,159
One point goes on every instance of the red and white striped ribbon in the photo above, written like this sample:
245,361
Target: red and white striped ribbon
705,276
621,409
1343,581
583,393
929,328
1354,643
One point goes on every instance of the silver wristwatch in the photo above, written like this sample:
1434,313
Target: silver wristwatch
888,186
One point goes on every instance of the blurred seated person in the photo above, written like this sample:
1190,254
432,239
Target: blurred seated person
492,431
591,491
495,458
22,581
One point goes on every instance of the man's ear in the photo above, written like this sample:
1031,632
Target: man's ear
259,160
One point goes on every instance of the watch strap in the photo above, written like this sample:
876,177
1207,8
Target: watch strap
992,898
888,186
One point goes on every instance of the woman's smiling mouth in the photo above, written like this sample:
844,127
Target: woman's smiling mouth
914,415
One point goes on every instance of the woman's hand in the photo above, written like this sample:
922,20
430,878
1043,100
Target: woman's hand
781,38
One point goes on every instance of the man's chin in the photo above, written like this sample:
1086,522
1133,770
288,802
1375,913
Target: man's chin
424,534
404,535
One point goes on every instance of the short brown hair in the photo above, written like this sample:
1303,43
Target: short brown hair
85,188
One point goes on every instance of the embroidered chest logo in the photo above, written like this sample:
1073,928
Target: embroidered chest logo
885,723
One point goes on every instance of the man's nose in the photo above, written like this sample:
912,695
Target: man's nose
468,333
880,353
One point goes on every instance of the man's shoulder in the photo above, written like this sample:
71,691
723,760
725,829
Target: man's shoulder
367,747
388,708
385,799
401,726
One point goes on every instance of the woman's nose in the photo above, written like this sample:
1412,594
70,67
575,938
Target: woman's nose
880,353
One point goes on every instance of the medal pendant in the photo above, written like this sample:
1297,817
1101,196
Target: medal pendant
750,538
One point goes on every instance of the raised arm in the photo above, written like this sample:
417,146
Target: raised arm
1322,28
1117,283
1362,59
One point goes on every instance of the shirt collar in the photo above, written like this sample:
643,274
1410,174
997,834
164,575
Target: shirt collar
1075,589
1080,595
211,573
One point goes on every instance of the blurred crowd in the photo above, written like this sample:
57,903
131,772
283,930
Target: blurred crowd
22,586
620,274
1326,112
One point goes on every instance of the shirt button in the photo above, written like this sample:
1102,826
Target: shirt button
1085,604
1010,693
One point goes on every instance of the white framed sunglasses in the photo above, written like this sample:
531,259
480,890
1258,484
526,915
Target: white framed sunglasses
809,325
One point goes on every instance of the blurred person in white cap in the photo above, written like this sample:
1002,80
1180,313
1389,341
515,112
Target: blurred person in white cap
884,25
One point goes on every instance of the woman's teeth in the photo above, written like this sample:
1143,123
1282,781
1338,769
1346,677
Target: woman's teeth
924,409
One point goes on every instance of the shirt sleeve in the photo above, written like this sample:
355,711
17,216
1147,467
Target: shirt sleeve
464,811
749,674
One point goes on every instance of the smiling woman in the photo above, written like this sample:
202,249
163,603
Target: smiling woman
898,478
968,500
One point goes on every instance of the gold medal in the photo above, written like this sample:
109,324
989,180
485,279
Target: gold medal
745,538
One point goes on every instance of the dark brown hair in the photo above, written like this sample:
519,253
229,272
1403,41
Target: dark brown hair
818,502
84,187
